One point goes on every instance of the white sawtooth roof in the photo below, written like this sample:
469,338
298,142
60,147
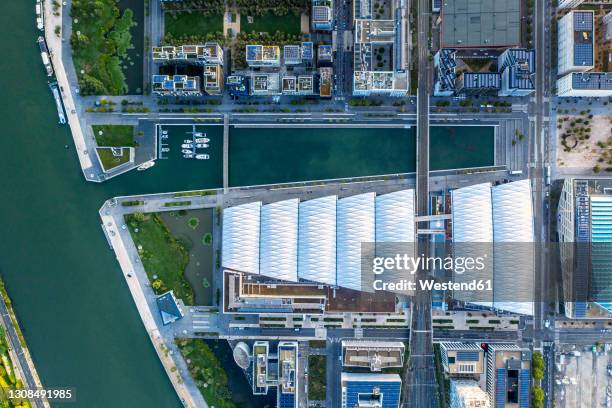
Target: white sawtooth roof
317,240
472,214
279,240
395,217
356,224
513,233
240,242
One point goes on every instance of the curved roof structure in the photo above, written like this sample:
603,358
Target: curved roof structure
355,218
472,214
514,252
395,217
240,243
279,240
317,240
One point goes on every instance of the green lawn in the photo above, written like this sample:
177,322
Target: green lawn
194,23
100,40
109,161
114,135
270,23
163,256
317,378
205,369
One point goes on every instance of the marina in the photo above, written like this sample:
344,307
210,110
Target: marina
190,148
58,102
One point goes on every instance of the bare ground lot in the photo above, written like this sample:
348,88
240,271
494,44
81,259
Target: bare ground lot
594,150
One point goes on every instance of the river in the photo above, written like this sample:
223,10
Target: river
70,297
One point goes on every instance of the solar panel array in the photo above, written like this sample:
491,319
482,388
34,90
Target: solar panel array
583,54
468,356
390,392
583,21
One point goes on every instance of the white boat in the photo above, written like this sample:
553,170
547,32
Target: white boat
202,156
165,149
188,141
202,140
164,132
44,54
197,134
187,146
188,156
58,102
164,136
146,165
201,145
187,151
40,24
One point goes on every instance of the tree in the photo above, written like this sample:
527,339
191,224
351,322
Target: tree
537,397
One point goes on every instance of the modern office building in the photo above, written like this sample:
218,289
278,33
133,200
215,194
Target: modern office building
480,24
321,237
265,84
576,42
462,358
263,55
213,79
237,85
292,54
517,67
467,394
209,53
607,23
380,55
496,222
326,82
176,85
569,4
589,84
585,237
297,85
508,376
370,390
325,54
260,367
373,355
478,83
322,15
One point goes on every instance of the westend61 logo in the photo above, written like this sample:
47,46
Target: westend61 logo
410,264
398,266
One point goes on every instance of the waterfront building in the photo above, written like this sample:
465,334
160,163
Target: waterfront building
445,74
377,41
569,4
480,24
373,355
287,375
508,376
462,358
209,53
589,84
176,85
370,390
292,54
585,208
260,367
517,67
300,85
467,394
322,15
496,222
326,82
237,85
213,79
576,42
169,308
263,55
265,84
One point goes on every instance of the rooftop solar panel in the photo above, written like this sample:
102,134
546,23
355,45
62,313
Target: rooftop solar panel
583,54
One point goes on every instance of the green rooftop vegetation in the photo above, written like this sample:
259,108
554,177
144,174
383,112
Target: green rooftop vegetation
100,40
271,23
275,7
114,135
163,256
109,160
317,378
207,372
190,27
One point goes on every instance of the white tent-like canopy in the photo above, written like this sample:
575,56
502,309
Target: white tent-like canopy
279,240
395,217
240,243
317,240
355,219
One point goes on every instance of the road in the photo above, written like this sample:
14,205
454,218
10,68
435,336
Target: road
420,387
22,362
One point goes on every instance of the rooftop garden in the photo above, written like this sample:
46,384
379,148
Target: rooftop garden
114,135
317,378
276,7
100,40
163,256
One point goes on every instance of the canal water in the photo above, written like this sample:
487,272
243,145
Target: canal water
75,309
